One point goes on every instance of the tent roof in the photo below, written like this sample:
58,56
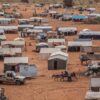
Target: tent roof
34,30
92,95
10,50
59,55
7,28
80,43
95,82
3,37
89,33
56,40
67,29
42,44
49,50
20,43
17,60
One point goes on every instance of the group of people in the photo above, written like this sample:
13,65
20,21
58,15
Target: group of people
69,75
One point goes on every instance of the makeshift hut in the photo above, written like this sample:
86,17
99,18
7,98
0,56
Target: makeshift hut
89,35
44,28
24,26
10,52
67,30
66,17
57,60
90,95
9,29
6,21
91,10
33,33
62,47
11,63
23,21
95,84
29,71
77,45
41,45
1,13
46,52
56,42
38,20
2,35
79,18
13,44
6,5
52,13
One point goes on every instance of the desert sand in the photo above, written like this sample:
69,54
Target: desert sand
44,87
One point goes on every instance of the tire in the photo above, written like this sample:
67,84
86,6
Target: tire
18,82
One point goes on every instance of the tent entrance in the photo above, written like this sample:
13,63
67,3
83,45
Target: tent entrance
55,65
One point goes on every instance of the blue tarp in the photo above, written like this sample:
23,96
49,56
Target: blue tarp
80,17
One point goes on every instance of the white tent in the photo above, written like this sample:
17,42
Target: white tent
19,39
45,52
90,95
59,54
67,29
56,41
16,60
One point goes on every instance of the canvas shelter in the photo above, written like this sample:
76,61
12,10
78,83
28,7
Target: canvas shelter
6,5
12,63
67,30
1,13
91,9
57,60
56,42
89,35
25,26
79,18
46,52
10,52
66,17
52,12
33,33
41,45
5,21
38,19
13,44
9,29
23,21
62,47
44,28
95,84
94,15
2,35
90,95
76,45
51,34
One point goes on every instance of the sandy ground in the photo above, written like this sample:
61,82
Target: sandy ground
44,87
